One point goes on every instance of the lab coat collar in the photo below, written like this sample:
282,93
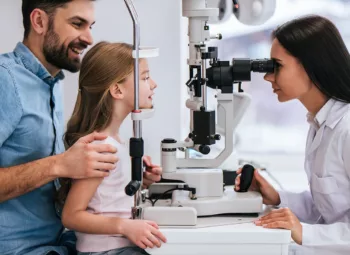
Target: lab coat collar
322,114
317,121
336,112
331,113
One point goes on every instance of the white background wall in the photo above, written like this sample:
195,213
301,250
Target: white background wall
161,26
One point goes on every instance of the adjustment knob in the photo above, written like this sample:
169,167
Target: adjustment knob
169,140
217,137
132,188
204,149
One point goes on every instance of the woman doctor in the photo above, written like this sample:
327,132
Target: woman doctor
313,66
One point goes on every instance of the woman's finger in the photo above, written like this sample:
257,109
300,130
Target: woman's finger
278,224
264,222
273,215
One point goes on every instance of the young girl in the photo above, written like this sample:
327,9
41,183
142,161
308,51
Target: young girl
98,208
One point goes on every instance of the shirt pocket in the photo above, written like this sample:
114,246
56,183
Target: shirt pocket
328,197
324,185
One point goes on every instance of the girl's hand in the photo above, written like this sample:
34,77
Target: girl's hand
143,233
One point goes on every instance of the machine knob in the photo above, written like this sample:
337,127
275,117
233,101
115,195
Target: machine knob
169,140
204,149
246,178
132,188
217,137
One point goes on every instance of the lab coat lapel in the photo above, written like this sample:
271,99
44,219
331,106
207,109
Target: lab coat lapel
308,159
317,140
310,137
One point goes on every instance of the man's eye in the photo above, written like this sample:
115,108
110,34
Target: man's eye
77,24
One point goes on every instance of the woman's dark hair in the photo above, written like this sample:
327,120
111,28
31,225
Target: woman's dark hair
316,43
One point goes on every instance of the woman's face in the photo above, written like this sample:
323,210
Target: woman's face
289,80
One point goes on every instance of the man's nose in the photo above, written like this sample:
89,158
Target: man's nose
86,37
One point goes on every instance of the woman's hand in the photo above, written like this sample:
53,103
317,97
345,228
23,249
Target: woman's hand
285,219
259,184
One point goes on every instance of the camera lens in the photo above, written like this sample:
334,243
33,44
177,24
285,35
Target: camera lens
263,65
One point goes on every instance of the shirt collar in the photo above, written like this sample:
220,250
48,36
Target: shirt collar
33,64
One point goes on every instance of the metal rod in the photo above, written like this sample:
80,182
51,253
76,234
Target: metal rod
133,13
204,86
136,123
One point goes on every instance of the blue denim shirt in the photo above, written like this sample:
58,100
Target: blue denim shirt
31,128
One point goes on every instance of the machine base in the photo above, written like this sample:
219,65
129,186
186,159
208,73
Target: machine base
242,239
183,211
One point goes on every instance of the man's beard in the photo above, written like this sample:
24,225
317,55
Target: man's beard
57,54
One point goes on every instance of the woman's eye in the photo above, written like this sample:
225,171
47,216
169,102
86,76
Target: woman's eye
277,66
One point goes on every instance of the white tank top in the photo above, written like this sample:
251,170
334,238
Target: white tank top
110,200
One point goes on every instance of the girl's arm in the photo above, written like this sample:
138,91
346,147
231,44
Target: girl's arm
75,216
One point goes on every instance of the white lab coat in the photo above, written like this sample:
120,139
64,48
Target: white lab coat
325,210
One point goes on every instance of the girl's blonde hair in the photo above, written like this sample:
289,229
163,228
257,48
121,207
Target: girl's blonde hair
103,65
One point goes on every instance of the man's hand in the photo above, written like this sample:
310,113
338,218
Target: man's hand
152,174
283,218
85,159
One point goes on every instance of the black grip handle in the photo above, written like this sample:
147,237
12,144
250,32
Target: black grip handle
132,188
136,153
246,178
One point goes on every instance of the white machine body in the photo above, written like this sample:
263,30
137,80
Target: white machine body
197,184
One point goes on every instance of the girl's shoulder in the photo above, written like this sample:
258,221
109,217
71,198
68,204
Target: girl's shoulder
110,140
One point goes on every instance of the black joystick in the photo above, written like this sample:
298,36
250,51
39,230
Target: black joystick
246,178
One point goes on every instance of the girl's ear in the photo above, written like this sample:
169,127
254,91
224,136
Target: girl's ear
116,91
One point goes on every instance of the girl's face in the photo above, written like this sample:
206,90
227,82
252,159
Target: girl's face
146,87
290,80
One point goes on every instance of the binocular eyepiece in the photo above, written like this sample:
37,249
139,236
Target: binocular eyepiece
222,75
263,65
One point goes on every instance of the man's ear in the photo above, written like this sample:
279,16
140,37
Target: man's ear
116,91
40,21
